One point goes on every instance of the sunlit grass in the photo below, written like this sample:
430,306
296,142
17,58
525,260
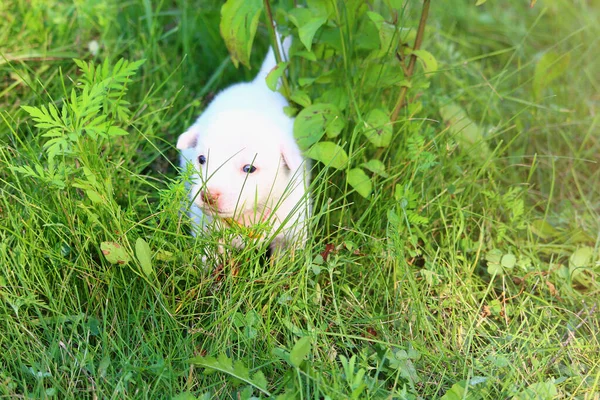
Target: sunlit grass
415,302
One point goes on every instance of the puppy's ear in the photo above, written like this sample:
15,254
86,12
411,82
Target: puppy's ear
187,140
291,154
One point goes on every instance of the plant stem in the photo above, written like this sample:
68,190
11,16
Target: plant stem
413,58
275,44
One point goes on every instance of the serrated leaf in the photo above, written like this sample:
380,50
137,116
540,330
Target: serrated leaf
378,128
329,154
376,167
427,60
416,219
36,113
53,112
275,74
259,380
360,182
115,253
300,350
308,23
239,21
116,131
315,121
550,67
51,133
144,256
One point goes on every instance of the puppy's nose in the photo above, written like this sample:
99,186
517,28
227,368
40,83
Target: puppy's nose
210,197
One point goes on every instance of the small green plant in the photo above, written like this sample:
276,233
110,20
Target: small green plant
89,115
341,45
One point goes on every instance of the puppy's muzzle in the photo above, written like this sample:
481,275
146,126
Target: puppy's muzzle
210,198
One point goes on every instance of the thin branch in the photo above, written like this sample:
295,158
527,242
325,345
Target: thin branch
413,58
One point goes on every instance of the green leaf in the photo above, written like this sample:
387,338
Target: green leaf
376,167
116,131
403,362
315,121
335,95
308,23
323,8
329,154
427,60
300,351
94,196
466,132
581,258
383,75
259,380
378,128
543,229
103,366
239,21
115,253
184,396
360,181
581,267
275,74
494,259
539,391
473,389
237,370
508,261
301,98
144,256
367,36
550,67
39,114
388,35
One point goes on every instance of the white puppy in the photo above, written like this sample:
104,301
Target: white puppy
249,170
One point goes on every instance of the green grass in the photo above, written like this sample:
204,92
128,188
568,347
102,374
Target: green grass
406,289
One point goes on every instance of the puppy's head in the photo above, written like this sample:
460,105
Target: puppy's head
245,161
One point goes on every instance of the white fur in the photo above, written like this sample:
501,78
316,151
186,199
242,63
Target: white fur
245,125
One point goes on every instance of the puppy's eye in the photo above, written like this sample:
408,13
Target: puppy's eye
202,160
249,168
